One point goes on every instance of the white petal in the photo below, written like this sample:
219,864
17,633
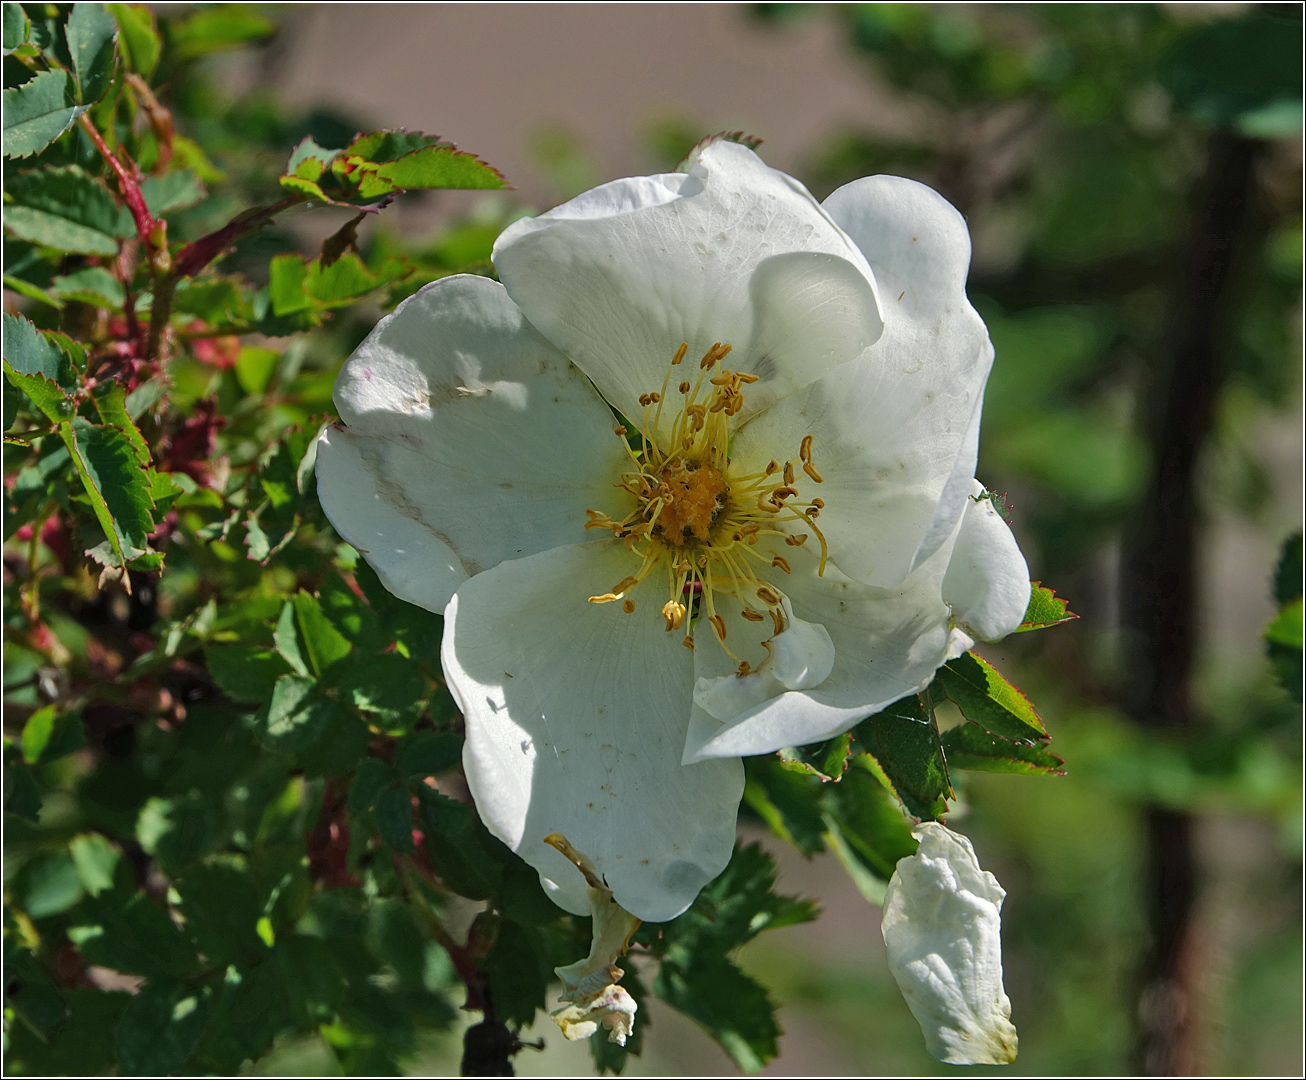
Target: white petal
942,928
470,438
887,644
576,716
987,583
895,432
731,252
410,559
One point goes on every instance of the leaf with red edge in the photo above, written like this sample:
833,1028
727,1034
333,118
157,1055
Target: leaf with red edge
1045,609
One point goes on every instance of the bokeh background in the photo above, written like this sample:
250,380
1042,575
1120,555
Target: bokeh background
1079,141
1132,179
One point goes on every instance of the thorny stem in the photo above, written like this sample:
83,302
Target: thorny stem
127,183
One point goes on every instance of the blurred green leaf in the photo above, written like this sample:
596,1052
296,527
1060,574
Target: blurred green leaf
51,733
297,716
95,859
869,821
1242,72
48,884
466,856
313,982
16,27
226,26
394,819
248,1011
174,190
38,112
138,37
429,753
161,1028
90,33
323,644
91,285
29,991
787,801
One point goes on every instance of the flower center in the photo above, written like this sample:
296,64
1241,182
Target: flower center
696,518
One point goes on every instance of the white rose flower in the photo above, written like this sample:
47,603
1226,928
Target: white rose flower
942,927
760,562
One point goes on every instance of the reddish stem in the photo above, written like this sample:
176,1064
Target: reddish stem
131,190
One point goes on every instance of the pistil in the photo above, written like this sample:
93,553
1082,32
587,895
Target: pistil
694,518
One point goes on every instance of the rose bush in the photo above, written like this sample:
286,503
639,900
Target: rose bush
700,410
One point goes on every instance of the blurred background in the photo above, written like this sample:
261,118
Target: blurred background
1132,179
1131,175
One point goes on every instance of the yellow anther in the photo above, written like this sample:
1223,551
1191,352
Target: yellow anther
606,598
619,430
778,620
628,607
674,613
744,668
805,450
768,595
718,626
796,541
772,467
782,563
810,470
680,352
789,472
684,388
751,615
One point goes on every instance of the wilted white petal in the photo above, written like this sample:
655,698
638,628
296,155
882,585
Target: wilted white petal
732,251
987,583
942,929
589,986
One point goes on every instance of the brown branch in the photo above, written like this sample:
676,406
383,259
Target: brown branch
1159,585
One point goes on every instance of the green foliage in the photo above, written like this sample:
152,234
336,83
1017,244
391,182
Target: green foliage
38,112
1283,636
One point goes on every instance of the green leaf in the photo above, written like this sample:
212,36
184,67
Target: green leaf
1045,609
118,486
172,191
247,1014
730,1006
287,639
788,802
138,37
903,751
298,286
309,161
16,27
91,285
245,673
869,822
734,908
34,352
65,208
1286,627
22,794
161,1028
110,401
176,831
29,991
429,753
90,32
227,26
48,885
428,167
96,860
467,858
297,715
47,396
371,777
313,982
221,908
37,113
255,367
826,760
137,938
389,685
986,698
394,819
50,734
1288,571
968,746
324,645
